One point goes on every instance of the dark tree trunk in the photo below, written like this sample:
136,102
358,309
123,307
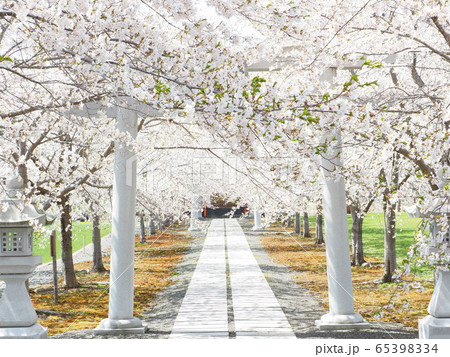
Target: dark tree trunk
390,262
357,242
166,222
70,280
297,223
97,243
289,222
142,221
319,229
152,228
306,231
22,168
390,256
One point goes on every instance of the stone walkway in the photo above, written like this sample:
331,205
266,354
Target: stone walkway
227,270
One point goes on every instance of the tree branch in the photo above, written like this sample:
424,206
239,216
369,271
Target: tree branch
435,50
50,106
441,29
415,75
427,171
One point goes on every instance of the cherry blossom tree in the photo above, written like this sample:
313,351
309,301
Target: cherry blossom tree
190,62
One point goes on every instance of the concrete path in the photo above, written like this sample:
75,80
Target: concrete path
228,272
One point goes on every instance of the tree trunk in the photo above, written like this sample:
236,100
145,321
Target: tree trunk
319,229
289,222
70,280
390,258
141,217
158,223
97,243
22,168
306,231
357,242
390,262
297,223
151,226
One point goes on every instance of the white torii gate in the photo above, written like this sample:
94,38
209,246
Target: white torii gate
341,313
121,289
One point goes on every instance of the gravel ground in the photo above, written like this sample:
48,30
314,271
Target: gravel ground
300,306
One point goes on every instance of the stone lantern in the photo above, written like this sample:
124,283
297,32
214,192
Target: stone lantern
437,324
17,262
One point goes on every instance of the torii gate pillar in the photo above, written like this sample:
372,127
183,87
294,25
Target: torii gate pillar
340,290
121,292
341,315
121,298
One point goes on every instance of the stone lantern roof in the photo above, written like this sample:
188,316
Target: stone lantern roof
17,211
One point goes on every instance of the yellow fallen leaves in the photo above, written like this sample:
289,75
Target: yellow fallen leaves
308,261
85,307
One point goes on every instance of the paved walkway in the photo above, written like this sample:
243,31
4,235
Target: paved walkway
227,271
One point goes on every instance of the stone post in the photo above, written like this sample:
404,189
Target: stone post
341,312
194,215
257,218
121,293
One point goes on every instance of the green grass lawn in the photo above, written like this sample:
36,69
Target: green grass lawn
373,239
82,236
373,234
